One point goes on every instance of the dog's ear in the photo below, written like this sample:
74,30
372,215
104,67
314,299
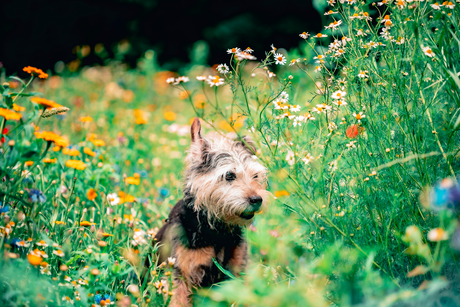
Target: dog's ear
196,130
248,144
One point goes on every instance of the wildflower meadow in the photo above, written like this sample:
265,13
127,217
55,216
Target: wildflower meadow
358,129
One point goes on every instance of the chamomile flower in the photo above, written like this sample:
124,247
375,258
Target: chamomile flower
332,126
340,102
294,61
215,81
271,74
290,158
383,2
338,94
42,243
280,59
201,78
318,68
359,116
334,25
363,74
59,253
428,51
330,12
308,117
273,48
245,56
436,6
321,108
448,4
331,2
351,145
182,79
233,50
307,159
360,32
113,199
170,80
248,50
67,299
320,58
223,69
304,35
320,35
386,21
294,108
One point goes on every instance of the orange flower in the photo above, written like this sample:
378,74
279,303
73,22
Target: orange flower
353,131
89,152
48,160
91,194
124,197
46,103
170,116
56,148
34,259
76,164
86,223
281,193
18,108
8,114
29,163
141,117
52,137
98,142
33,70
86,119
71,152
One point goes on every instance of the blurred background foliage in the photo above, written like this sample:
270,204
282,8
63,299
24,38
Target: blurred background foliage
42,33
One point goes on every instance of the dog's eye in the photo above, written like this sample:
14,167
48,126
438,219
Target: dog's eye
230,176
255,176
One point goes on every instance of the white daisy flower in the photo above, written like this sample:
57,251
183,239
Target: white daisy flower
233,50
223,69
280,59
215,81
113,199
338,94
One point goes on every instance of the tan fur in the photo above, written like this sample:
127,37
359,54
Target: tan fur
189,262
239,258
181,295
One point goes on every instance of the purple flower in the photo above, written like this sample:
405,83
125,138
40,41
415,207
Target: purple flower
36,196
445,195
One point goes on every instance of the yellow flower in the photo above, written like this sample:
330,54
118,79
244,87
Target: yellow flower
29,163
86,223
48,160
281,193
89,152
141,117
8,114
86,119
56,148
59,223
98,142
169,115
91,194
133,180
46,103
18,108
106,235
76,164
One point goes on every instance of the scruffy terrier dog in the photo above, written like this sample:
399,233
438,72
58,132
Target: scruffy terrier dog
224,188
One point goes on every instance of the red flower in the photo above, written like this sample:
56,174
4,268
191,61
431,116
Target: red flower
353,131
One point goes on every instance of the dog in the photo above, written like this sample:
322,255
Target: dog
225,186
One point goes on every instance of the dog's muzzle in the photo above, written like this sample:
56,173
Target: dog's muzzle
255,202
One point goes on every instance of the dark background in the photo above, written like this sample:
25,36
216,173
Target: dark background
41,32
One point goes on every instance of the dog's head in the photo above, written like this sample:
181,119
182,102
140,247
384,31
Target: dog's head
224,178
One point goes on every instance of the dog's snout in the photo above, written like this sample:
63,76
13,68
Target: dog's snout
255,201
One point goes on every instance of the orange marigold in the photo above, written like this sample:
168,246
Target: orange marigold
126,198
34,259
76,164
91,194
133,180
48,160
89,152
33,70
141,117
29,163
98,142
52,137
86,119
46,103
18,108
8,114
71,152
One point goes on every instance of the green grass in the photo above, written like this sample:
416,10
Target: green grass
346,189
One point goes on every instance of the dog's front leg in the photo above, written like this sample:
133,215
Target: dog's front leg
181,294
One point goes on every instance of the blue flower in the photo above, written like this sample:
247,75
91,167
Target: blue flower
445,195
108,297
36,196
4,209
98,298
164,192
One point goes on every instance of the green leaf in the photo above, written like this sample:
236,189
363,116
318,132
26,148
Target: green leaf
226,272
18,79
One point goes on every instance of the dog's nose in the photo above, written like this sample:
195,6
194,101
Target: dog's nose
255,201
